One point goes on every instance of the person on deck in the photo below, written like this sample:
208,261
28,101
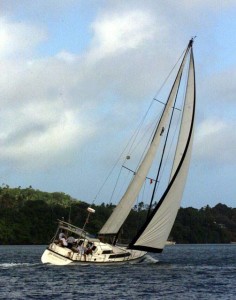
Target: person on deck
70,242
62,239
82,250
89,249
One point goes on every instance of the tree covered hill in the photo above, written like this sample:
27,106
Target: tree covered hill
29,216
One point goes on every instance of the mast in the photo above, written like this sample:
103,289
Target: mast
154,233
162,156
122,210
163,151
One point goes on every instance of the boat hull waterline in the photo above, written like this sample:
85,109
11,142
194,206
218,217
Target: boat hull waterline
58,255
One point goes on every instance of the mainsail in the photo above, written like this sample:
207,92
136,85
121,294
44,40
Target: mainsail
154,233
148,236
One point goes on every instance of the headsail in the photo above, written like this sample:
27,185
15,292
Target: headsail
122,210
153,235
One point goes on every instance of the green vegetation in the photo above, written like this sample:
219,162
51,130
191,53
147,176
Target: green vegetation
29,216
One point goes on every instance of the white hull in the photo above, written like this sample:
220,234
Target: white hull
104,254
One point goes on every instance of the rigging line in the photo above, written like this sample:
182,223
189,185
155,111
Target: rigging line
154,124
167,134
119,192
159,169
133,137
135,173
115,185
185,86
144,186
145,149
142,199
168,154
129,169
169,74
139,221
165,104
146,144
155,97
109,174
176,127
149,140
159,101
135,133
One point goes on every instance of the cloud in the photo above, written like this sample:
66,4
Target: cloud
66,56
215,141
38,135
18,38
61,108
116,33
221,85
79,91
41,113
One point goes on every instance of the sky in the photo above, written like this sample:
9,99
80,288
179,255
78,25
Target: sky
76,77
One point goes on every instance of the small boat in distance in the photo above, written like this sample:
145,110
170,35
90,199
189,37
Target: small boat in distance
78,247
170,243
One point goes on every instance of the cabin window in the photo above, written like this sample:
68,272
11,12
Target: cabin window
107,252
119,255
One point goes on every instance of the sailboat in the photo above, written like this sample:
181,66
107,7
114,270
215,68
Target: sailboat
153,234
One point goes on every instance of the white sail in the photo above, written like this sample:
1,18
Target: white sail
122,210
155,232
186,118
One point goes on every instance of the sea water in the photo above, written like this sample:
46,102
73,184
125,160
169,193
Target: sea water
180,272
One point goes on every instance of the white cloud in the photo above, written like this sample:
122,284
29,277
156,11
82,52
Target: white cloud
39,123
53,106
39,134
215,141
115,33
221,85
18,38
66,56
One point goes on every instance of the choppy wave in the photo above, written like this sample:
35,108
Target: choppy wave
183,271
150,259
15,265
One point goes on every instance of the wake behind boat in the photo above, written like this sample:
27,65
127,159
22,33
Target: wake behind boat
74,245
